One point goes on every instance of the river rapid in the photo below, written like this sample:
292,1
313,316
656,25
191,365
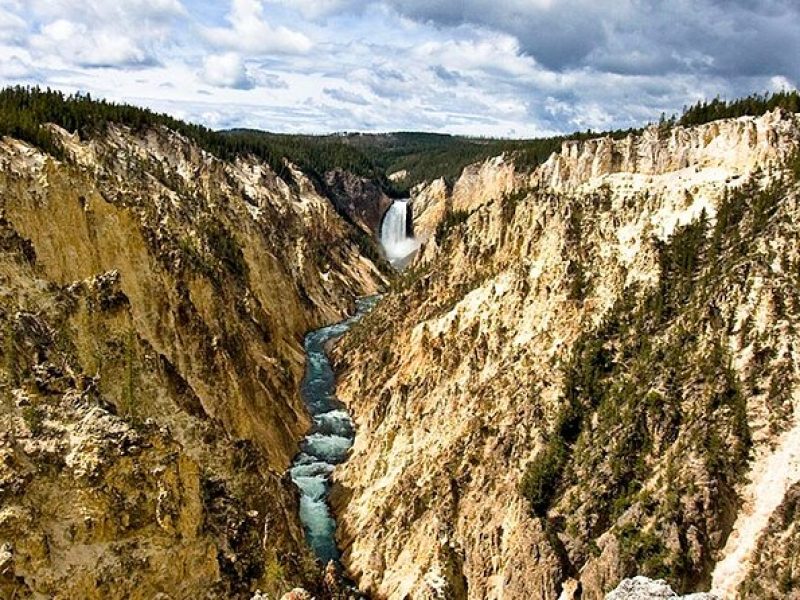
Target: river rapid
329,440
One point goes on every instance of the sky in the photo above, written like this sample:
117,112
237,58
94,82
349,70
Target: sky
510,68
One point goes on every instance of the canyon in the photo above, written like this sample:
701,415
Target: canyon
154,304
573,379
611,335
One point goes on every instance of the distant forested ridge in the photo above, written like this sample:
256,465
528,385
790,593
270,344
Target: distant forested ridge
424,156
24,112
428,156
753,106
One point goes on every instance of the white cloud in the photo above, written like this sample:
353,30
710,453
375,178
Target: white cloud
226,70
249,32
490,53
781,84
108,13
12,26
14,68
346,96
78,44
532,67
101,33
314,9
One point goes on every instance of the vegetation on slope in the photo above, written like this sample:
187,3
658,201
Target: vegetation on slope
25,112
428,156
423,156
655,380
639,470
753,106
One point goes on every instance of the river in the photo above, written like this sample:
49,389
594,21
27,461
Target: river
329,440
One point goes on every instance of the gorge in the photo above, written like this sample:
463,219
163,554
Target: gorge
566,386
329,439
564,378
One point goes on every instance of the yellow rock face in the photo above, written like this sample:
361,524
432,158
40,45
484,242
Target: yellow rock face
153,305
457,377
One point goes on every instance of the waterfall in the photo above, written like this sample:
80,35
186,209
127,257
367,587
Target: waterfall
395,240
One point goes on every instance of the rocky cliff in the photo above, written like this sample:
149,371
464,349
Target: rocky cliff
478,184
642,588
153,304
362,200
430,203
585,375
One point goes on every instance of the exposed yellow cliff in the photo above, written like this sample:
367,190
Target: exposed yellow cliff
534,316
154,300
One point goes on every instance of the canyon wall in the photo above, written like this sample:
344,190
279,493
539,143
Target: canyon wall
362,200
582,371
154,301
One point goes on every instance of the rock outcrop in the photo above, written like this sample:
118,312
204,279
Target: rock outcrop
719,148
569,384
642,588
153,304
361,199
483,182
430,202
775,571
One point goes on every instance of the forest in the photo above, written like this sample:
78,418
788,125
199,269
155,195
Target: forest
24,112
753,105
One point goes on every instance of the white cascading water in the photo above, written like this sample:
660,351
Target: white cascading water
395,240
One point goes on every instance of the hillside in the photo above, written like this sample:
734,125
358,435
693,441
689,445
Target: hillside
399,161
586,380
588,373
154,302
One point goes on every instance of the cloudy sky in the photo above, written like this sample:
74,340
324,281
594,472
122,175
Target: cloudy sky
483,67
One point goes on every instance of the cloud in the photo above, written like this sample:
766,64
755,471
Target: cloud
557,34
13,68
315,9
446,75
79,45
12,26
102,12
481,67
250,33
488,53
226,70
388,82
97,33
268,80
733,38
346,96
780,84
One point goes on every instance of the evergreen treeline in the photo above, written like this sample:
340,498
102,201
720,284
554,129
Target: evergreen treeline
755,105
24,112
315,155
425,156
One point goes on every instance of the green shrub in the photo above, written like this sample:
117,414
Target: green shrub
540,481
645,549
33,419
